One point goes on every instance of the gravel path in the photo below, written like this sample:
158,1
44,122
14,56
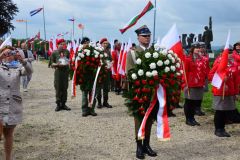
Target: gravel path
47,135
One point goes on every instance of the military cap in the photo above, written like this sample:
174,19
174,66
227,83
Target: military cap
144,30
84,40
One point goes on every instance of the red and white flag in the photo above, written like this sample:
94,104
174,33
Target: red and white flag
221,70
122,69
172,42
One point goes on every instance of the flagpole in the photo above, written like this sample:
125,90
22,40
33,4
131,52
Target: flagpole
44,24
82,33
154,21
26,30
73,28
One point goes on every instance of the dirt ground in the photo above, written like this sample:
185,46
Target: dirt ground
47,135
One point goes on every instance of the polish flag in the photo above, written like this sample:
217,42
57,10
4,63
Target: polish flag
122,69
221,72
172,42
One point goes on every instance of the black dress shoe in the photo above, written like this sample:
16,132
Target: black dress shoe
85,114
195,122
99,106
190,122
222,133
148,150
93,113
199,113
64,107
107,105
58,108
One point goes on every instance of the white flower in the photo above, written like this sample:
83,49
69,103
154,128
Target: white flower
169,56
154,73
86,50
178,59
166,62
173,68
164,52
155,55
96,52
170,51
152,65
81,55
178,74
138,61
159,63
105,55
101,55
140,72
134,76
88,53
149,74
181,71
178,65
173,60
167,69
147,55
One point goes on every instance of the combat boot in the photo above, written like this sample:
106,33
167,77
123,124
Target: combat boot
139,152
147,149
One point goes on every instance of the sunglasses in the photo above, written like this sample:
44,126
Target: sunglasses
145,35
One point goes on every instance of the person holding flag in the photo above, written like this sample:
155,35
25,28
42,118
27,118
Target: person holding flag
224,97
194,81
143,147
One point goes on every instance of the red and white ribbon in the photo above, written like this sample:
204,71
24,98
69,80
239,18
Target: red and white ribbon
163,131
94,86
73,88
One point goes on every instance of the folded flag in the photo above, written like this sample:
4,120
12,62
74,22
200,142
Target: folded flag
32,13
134,20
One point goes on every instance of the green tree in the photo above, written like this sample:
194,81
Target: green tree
7,12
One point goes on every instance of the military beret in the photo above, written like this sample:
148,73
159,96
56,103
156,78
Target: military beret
144,30
103,40
60,41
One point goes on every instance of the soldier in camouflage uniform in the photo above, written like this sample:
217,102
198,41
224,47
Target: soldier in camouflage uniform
60,75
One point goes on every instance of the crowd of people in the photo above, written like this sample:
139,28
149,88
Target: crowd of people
16,62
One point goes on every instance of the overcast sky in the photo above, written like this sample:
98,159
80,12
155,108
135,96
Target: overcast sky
104,18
